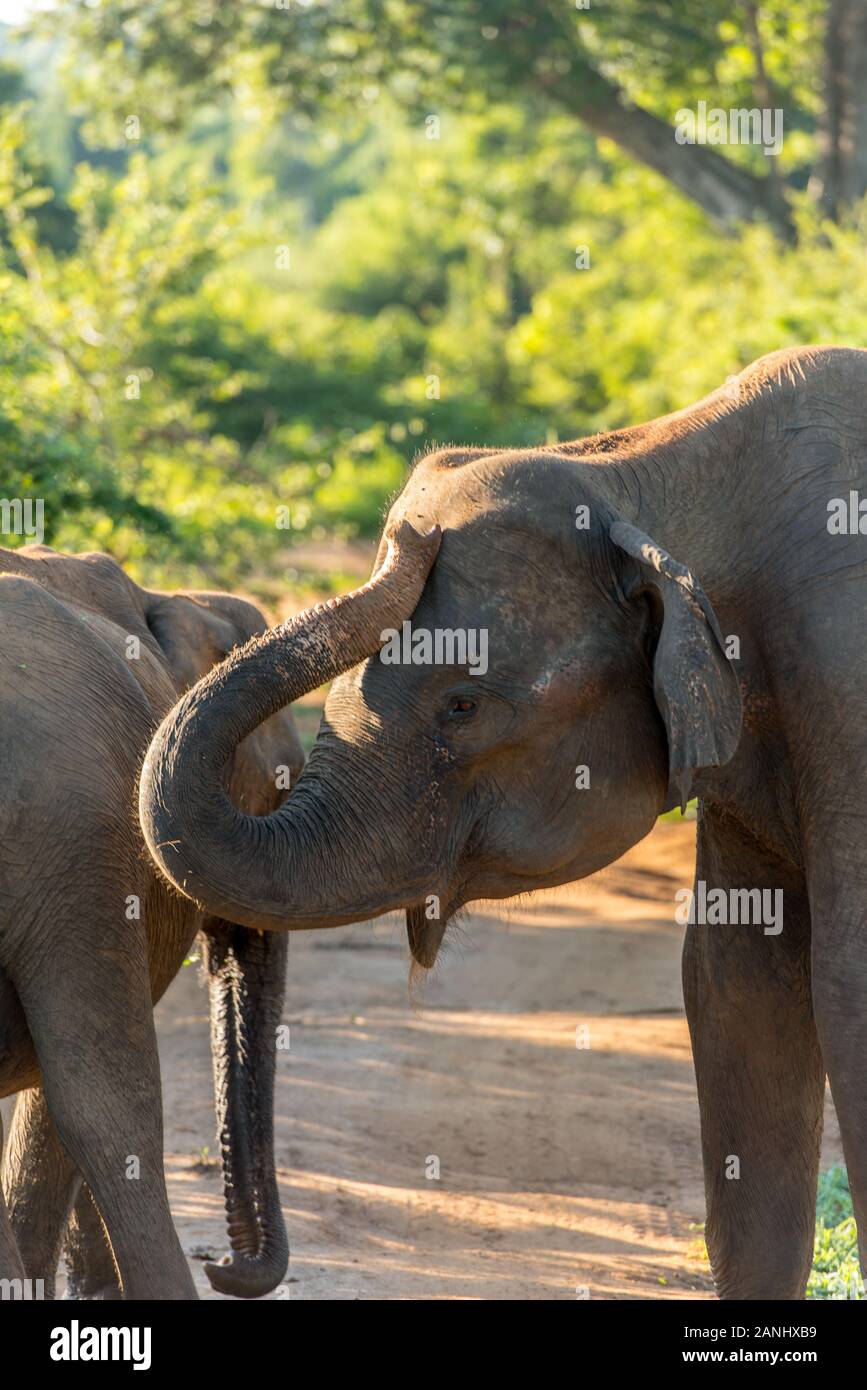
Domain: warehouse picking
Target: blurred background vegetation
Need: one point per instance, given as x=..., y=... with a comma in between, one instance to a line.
x=256, y=257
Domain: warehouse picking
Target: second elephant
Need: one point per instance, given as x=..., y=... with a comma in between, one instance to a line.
x=90, y=937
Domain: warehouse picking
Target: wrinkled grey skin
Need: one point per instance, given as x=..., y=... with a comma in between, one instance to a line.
x=605, y=650
x=78, y=978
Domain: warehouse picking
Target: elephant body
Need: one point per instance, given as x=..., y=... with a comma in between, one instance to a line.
x=672, y=610
x=91, y=936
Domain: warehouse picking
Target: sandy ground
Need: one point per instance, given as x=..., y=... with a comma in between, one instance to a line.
x=559, y=1168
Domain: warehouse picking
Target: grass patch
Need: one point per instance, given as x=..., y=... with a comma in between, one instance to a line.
x=835, y=1272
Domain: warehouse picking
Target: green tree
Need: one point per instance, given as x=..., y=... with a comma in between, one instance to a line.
x=622, y=71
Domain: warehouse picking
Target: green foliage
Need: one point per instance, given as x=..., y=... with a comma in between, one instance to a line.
x=254, y=310
x=313, y=57
x=836, y=1272
x=71, y=372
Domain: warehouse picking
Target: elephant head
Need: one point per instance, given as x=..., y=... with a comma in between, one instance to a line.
x=246, y=970
x=562, y=680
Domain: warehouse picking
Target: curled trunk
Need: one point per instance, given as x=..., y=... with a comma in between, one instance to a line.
x=280, y=871
x=246, y=978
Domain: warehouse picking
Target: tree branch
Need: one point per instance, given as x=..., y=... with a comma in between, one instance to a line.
x=729, y=193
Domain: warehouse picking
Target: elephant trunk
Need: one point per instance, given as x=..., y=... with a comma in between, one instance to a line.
x=246, y=978
x=281, y=871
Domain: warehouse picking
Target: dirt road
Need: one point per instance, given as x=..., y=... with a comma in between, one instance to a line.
x=560, y=1167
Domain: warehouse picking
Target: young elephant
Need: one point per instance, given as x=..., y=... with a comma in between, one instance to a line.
x=90, y=936
x=617, y=683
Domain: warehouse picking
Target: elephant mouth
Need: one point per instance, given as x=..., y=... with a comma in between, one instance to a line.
x=425, y=930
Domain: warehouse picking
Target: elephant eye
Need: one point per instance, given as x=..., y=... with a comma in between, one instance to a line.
x=461, y=706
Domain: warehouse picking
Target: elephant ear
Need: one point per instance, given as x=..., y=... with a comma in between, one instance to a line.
x=198, y=630
x=694, y=683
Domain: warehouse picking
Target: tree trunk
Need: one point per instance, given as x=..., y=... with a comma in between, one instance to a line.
x=843, y=178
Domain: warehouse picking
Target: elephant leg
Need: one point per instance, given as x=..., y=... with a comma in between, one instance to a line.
x=760, y=1073
x=840, y=1002
x=90, y=1015
x=11, y=1263
x=40, y=1184
x=90, y=1267
x=48, y=1201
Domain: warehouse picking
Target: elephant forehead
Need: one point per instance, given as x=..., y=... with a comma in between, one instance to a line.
x=434, y=496
x=453, y=487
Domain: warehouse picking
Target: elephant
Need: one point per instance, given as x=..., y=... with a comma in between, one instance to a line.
x=91, y=936
x=671, y=612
